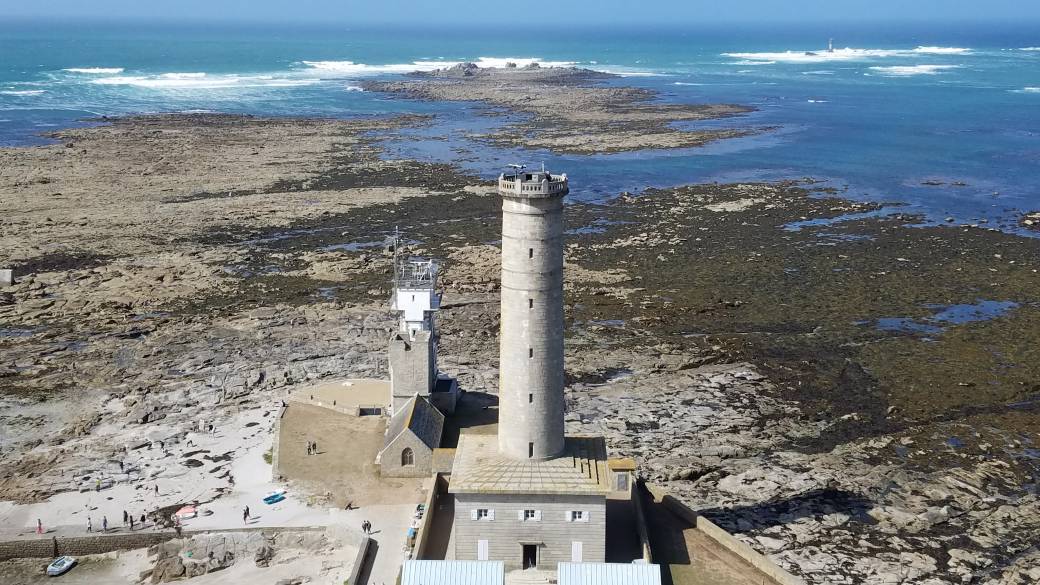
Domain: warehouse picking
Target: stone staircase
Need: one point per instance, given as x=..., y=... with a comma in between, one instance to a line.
x=531, y=577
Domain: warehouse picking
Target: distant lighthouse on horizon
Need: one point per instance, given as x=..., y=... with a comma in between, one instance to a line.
x=830, y=45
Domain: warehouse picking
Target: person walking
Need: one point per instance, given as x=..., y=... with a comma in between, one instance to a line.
x=104, y=523
x=126, y=517
x=142, y=519
x=156, y=489
x=39, y=526
x=90, y=525
x=131, y=523
x=315, y=445
x=308, y=447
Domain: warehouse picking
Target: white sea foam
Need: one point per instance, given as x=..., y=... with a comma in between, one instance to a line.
x=95, y=70
x=350, y=68
x=1027, y=90
x=909, y=70
x=818, y=101
x=353, y=88
x=187, y=81
x=942, y=50
x=1032, y=49
x=22, y=91
x=846, y=54
x=819, y=72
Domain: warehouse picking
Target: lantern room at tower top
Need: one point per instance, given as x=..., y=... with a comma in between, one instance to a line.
x=415, y=295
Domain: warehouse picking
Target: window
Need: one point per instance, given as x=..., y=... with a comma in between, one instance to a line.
x=530, y=352
x=530, y=303
x=407, y=457
x=530, y=252
x=530, y=398
x=529, y=514
x=483, y=513
x=530, y=449
x=577, y=516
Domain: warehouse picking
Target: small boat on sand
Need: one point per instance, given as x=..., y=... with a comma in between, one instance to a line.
x=60, y=566
x=274, y=498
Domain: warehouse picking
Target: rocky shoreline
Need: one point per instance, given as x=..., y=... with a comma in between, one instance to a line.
x=852, y=393
x=568, y=110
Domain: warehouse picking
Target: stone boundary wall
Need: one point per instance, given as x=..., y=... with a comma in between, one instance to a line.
x=43, y=547
x=275, y=474
x=725, y=539
x=438, y=485
x=359, y=561
x=637, y=507
x=742, y=550
x=349, y=410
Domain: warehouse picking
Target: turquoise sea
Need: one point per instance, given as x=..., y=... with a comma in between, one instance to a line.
x=891, y=108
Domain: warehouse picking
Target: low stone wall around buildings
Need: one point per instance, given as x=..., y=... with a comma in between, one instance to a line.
x=44, y=547
x=359, y=560
x=640, y=514
x=275, y=473
x=98, y=543
x=436, y=486
x=725, y=539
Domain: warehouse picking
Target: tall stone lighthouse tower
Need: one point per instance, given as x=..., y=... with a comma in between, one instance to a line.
x=531, y=404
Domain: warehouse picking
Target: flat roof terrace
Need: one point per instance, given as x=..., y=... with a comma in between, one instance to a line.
x=346, y=396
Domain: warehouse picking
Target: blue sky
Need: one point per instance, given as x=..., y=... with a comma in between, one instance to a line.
x=464, y=12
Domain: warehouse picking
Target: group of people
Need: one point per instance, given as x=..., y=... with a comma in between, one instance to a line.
x=312, y=448
x=128, y=520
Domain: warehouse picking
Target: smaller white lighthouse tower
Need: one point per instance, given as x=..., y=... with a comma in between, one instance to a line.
x=413, y=347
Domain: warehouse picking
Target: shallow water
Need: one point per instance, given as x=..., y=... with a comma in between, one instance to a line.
x=902, y=107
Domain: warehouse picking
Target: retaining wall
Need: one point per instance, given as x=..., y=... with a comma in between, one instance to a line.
x=95, y=544
x=359, y=561
x=637, y=507
x=275, y=474
x=437, y=486
x=725, y=539
x=44, y=547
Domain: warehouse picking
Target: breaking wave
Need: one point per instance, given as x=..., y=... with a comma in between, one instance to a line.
x=942, y=50
x=95, y=70
x=202, y=81
x=22, y=91
x=846, y=54
x=1027, y=90
x=350, y=68
x=908, y=70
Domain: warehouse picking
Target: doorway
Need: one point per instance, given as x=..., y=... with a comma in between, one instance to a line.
x=530, y=556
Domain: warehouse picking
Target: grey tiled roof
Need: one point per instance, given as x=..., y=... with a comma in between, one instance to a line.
x=480, y=468
x=420, y=417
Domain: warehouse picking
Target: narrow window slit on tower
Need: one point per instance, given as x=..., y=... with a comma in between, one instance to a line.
x=530, y=252
x=530, y=449
x=530, y=398
x=530, y=352
x=530, y=303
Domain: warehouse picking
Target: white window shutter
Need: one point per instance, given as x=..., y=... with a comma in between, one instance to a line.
x=520, y=515
x=491, y=514
x=473, y=514
x=537, y=515
x=585, y=516
x=568, y=516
